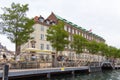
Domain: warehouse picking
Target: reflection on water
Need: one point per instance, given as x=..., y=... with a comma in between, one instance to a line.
x=105, y=75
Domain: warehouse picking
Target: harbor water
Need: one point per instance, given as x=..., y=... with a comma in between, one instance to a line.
x=104, y=75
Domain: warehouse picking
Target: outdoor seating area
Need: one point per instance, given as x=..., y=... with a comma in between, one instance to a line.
x=41, y=64
x=39, y=60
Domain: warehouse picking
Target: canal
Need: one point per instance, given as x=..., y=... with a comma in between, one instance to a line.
x=104, y=75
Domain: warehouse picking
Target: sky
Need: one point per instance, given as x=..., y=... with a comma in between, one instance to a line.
x=102, y=16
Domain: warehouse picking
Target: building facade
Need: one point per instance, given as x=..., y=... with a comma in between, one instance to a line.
x=39, y=42
x=4, y=51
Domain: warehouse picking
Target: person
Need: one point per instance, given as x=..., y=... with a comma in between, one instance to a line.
x=59, y=58
x=4, y=56
x=33, y=57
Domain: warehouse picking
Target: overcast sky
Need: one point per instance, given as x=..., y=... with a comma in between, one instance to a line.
x=102, y=16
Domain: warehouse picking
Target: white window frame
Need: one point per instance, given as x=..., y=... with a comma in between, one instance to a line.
x=41, y=46
x=65, y=28
x=48, y=47
x=41, y=36
x=42, y=28
x=73, y=31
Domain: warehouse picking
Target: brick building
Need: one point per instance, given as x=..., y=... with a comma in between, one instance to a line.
x=41, y=45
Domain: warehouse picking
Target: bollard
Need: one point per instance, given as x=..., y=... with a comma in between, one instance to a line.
x=48, y=75
x=5, y=72
x=73, y=72
x=73, y=75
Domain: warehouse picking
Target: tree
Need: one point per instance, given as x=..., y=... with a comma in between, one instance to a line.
x=79, y=43
x=58, y=37
x=93, y=47
x=17, y=26
x=118, y=56
x=103, y=48
x=112, y=52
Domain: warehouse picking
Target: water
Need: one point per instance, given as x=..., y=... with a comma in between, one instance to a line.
x=105, y=75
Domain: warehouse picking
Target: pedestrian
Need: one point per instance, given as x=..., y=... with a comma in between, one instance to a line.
x=4, y=56
x=33, y=57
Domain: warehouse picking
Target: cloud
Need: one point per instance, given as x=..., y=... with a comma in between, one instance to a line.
x=102, y=16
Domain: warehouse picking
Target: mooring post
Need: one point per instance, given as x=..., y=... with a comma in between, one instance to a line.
x=73, y=75
x=5, y=72
x=73, y=72
x=48, y=75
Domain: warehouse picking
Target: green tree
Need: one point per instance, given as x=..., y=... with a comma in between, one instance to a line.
x=103, y=48
x=93, y=47
x=17, y=26
x=78, y=43
x=58, y=37
x=112, y=52
x=118, y=53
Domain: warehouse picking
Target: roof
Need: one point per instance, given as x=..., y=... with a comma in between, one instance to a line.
x=76, y=26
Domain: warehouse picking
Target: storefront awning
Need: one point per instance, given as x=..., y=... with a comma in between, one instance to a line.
x=35, y=50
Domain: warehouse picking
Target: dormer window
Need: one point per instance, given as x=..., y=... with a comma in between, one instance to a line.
x=41, y=19
x=53, y=23
x=47, y=22
x=33, y=43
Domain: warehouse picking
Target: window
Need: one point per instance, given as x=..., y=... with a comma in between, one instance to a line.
x=48, y=22
x=82, y=34
x=32, y=36
x=69, y=38
x=42, y=46
x=42, y=36
x=41, y=19
x=73, y=31
x=69, y=46
x=33, y=45
x=79, y=33
x=68, y=29
x=65, y=28
x=42, y=28
x=48, y=47
x=53, y=23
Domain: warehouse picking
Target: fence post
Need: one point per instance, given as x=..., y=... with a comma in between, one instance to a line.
x=5, y=72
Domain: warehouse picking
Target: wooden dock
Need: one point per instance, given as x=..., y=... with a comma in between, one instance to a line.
x=20, y=73
x=47, y=71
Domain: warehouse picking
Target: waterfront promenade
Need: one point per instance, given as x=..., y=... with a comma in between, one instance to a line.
x=47, y=72
x=39, y=71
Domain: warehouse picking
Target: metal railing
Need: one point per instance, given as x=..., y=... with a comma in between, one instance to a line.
x=41, y=64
